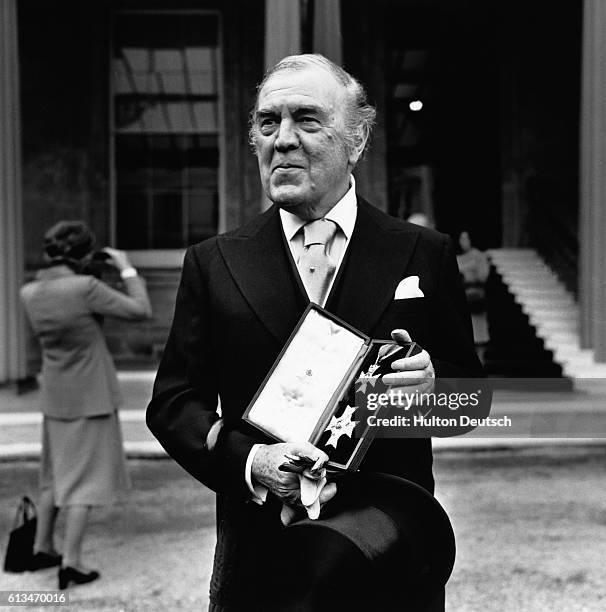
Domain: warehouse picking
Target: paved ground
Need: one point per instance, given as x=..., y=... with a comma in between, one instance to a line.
x=531, y=529
x=154, y=552
x=561, y=417
x=530, y=525
x=529, y=513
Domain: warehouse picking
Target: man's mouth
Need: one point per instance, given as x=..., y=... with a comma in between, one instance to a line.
x=287, y=167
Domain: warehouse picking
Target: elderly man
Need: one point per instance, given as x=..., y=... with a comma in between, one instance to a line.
x=242, y=293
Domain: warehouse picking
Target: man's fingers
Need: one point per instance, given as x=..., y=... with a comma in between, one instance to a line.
x=288, y=514
x=407, y=376
x=406, y=379
x=291, y=497
x=402, y=395
x=416, y=362
x=328, y=492
x=400, y=336
x=315, y=474
x=306, y=449
x=284, y=483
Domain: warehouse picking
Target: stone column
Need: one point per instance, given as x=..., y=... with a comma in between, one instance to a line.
x=282, y=30
x=368, y=62
x=12, y=336
x=282, y=38
x=327, y=30
x=592, y=226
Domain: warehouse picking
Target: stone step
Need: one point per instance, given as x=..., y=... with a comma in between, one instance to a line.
x=564, y=338
x=570, y=352
x=520, y=287
x=515, y=264
x=527, y=283
x=513, y=253
x=548, y=318
x=554, y=321
x=547, y=313
x=540, y=302
x=550, y=308
x=554, y=303
x=547, y=328
x=597, y=371
x=524, y=267
x=553, y=325
x=527, y=265
x=528, y=271
x=543, y=293
x=577, y=360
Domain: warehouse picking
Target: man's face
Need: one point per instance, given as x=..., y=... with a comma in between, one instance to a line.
x=464, y=242
x=303, y=158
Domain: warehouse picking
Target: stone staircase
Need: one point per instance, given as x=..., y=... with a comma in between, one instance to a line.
x=550, y=308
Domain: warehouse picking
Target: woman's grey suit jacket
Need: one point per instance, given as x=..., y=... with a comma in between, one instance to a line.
x=78, y=374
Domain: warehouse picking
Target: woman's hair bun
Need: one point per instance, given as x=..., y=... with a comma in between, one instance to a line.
x=69, y=239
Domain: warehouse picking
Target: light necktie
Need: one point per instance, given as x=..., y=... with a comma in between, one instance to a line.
x=315, y=266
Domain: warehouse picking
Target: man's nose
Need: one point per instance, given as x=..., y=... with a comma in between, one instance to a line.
x=287, y=137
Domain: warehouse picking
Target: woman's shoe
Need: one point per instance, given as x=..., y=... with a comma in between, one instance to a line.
x=71, y=574
x=43, y=560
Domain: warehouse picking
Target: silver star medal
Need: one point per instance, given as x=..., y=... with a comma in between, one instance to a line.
x=341, y=426
x=366, y=378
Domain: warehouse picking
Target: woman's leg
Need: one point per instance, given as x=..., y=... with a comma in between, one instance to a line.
x=47, y=515
x=75, y=523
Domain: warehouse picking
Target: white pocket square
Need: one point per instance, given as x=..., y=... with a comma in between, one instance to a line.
x=408, y=288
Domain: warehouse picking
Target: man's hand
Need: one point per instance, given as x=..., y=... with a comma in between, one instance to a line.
x=410, y=374
x=285, y=485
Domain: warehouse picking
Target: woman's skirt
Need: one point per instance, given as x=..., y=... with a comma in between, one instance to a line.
x=83, y=460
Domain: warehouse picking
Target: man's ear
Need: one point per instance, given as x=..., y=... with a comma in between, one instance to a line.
x=359, y=144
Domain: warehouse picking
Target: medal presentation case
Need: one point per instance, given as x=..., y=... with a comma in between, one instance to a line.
x=310, y=393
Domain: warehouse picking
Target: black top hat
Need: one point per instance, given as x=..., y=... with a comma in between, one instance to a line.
x=383, y=543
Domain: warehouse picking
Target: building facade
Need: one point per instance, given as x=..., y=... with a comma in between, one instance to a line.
x=133, y=116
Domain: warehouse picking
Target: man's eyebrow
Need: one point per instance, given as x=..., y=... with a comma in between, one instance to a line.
x=299, y=110
x=261, y=112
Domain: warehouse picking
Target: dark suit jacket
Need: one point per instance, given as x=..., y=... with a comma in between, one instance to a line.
x=237, y=303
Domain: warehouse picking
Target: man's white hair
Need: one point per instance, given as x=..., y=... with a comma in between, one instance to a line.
x=359, y=114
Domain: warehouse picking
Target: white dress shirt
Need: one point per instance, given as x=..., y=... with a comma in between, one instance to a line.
x=343, y=214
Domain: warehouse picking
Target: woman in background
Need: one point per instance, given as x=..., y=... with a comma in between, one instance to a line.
x=82, y=463
x=474, y=267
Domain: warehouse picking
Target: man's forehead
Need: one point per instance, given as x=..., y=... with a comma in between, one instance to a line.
x=275, y=101
x=307, y=87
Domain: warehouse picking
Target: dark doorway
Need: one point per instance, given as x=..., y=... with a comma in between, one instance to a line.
x=442, y=123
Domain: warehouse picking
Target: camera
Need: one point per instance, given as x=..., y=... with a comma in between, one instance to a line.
x=100, y=257
x=97, y=264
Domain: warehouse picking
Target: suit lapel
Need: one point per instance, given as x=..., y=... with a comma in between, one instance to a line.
x=376, y=261
x=257, y=259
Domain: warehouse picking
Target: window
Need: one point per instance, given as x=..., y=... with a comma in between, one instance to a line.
x=166, y=118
